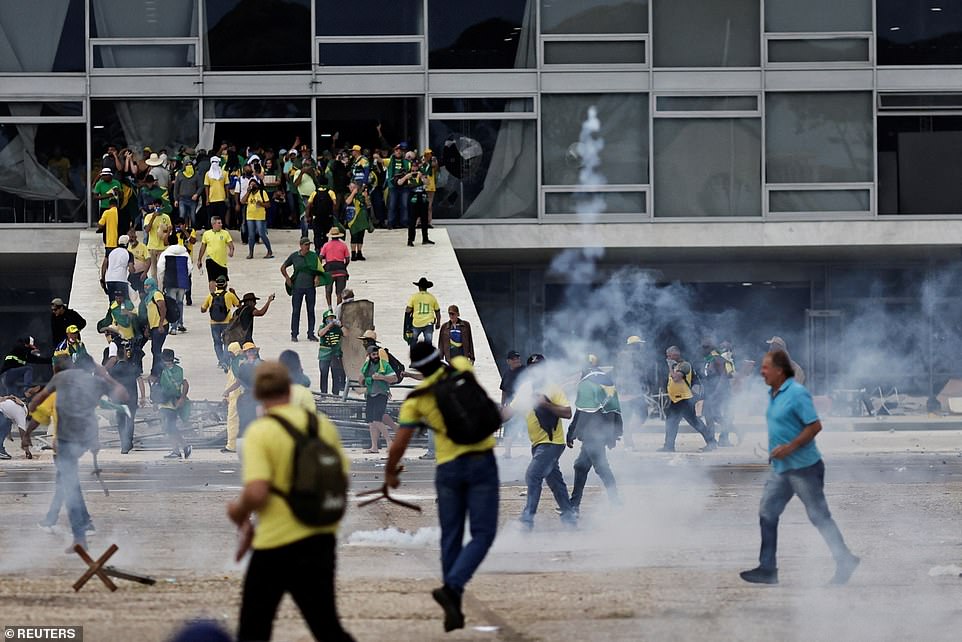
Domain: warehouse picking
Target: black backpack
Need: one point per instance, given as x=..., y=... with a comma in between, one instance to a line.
x=469, y=413
x=173, y=310
x=318, y=495
x=218, y=306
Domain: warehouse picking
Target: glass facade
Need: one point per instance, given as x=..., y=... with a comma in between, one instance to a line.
x=707, y=108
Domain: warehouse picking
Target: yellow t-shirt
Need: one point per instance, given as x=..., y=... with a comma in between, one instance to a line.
x=330, y=192
x=109, y=220
x=302, y=397
x=159, y=224
x=139, y=252
x=153, y=312
x=679, y=390
x=126, y=331
x=256, y=210
x=268, y=455
x=424, y=305
x=217, y=243
x=230, y=300
x=416, y=411
x=46, y=414
x=218, y=189
x=536, y=433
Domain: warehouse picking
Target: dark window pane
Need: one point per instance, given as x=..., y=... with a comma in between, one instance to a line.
x=488, y=168
x=719, y=33
x=123, y=19
x=282, y=41
x=920, y=101
x=269, y=108
x=369, y=18
x=706, y=103
x=594, y=53
x=819, y=50
x=42, y=36
x=594, y=16
x=707, y=167
x=155, y=123
x=911, y=33
x=143, y=56
x=496, y=34
x=850, y=200
x=918, y=164
x=624, y=130
x=46, y=181
x=482, y=105
x=818, y=15
x=594, y=202
x=361, y=54
x=44, y=110
x=355, y=120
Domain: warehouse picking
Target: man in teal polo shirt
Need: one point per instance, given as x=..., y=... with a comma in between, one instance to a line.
x=797, y=469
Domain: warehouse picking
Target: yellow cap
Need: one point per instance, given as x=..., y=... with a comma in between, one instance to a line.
x=72, y=328
x=234, y=347
x=428, y=151
x=634, y=339
x=249, y=346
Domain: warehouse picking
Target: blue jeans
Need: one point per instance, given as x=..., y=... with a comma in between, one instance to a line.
x=255, y=229
x=68, y=482
x=593, y=454
x=544, y=468
x=188, y=211
x=15, y=381
x=467, y=487
x=397, y=207
x=298, y=296
x=808, y=483
x=425, y=334
x=684, y=409
x=215, y=334
x=157, y=337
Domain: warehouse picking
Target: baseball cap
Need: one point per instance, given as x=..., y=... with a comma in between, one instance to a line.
x=72, y=328
x=305, y=241
x=123, y=239
x=514, y=354
x=249, y=346
x=220, y=280
x=58, y=302
x=634, y=339
x=776, y=339
x=356, y=148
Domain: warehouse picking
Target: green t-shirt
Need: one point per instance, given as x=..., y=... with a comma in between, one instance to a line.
x=104, y=187
x=378, y=387
x=305, y=269
x=330, y=344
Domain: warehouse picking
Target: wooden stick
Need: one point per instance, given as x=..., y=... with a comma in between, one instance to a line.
x=95, y=567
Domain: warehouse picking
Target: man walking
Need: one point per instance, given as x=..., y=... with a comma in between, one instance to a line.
x=597, y=425
x=336, y=256
x=797, y=469
x=466, y=479
x=174, y=273
x=116, y=269
x=681, y=402
x=424, y=311
x=289, y=556
x=509, y=382
x=61, y=318
x=302, y=285
x=716, y=376
x=220, y=303
x=455, y=337
x=777, y=343
x=218, y=245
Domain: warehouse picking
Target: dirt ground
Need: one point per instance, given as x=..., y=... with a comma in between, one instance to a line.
x=661, y=567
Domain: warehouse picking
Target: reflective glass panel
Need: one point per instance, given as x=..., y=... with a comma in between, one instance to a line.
x=707, y=167
x=135, y=124
x=818, y=137
x=594, y=16
x=362, y=54
x=71, y=108
x=818, y=15
x=282, y=41
x=488, y=168
x=371, y=18
x=706, y=103
x=495, y=34
x=245, y=108
x=478, y=105
x=814, y=200
x=918, y=164
x=42, y=36
x=695, y=33
x=143, y=18
x=594, y=53
x=624, y=130
x=912, y=32
x=819, y=50
x=594, y=202
x=143, y=56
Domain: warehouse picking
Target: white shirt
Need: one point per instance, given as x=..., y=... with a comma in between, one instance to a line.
x=14, y=411
x=117, y=262
x=162, y=176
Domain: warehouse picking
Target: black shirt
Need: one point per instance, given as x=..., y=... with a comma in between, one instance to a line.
x=509, y=382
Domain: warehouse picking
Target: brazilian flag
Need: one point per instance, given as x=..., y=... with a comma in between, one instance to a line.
x=596, y=392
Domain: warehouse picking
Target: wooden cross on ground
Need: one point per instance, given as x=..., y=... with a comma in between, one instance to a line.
x=106, y=572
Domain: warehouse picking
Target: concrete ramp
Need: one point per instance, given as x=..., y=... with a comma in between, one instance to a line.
x=385, y=278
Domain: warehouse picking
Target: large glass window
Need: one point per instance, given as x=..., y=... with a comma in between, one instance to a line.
x=488, y=168
x=495, y=34
x=707, y=167
x=919, y=164
x=815, y=16
x=372, y=18
x=919, y=32
x=373, y=122
x=818, y=137
x=695, y=33
x=42, y=36
x=256, y=35
x=594, y=16
x=152, y=19
x=43, y=170
x=135, y=124
x=624, y=130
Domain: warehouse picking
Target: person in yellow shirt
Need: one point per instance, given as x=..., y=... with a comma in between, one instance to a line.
x=221, y=303
x=289, y=556
x=108, y=225
x=231, y=394
x=682, y=403
x=156, y=311
x=256, y=199
x=430, y=169
x=157, y=227
x=424, y=312
x=141, y=262
x=218, y=245
x=215, y=193
x=466, y=479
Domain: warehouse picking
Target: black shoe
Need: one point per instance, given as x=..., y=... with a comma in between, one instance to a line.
x=451, y=603
x=760, y=575
x=294, y=338
x=4, y=454
x=666, y=449
x=430, y=227
x=311, y=337
x=427, y=242
x=125, y=451
x=844, y=570
x=188, y=300
x=410, y=244
x=361, y=257
x=353, y=256
x=187, y=451
x=173, y=454
x=225, y=449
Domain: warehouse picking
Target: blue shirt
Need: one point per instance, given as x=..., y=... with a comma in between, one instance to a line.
x=789, y=411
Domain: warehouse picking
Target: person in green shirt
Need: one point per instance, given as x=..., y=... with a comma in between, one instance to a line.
x=105, y=188
x=357, y=204
x=302, y=286
x=330, y=352
x=377, y=375
x=174, y=404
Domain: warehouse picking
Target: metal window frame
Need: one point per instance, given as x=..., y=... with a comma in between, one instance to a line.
x=868, y=36
x=93, y=43
x=605, y=217
x=421, y=41
x=706, y=113
x=590, y=38
x=41, y=120
x=863, y=186
x=535, y=112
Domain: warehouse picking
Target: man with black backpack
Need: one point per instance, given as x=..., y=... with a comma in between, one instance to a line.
x=463, y=419
x=219, y=304
x=295, y=479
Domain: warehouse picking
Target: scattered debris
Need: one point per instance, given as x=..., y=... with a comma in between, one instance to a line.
x=487, y=629
x=951, y=570
x=226, y=472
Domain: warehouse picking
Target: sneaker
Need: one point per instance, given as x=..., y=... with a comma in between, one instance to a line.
x=710, y=446
x=427, y=456
x=225, y=449
x=269, y=256
x=187, y=451
x=173, y=454
x=666, y=449
x=361, y=257
x=182, y=329
x=188, y=301
x=844, y=570
x=294, y=338
x=410, y=243
x=89, y=527
x=353, y=256
x=427, y=242
x=4, y=454
x=311, y=337
x=450, y=601
x=70, y=551
x=172, y=331
x=250, y=256
x=724, y=442
x=47, y=527
x=760, y=575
